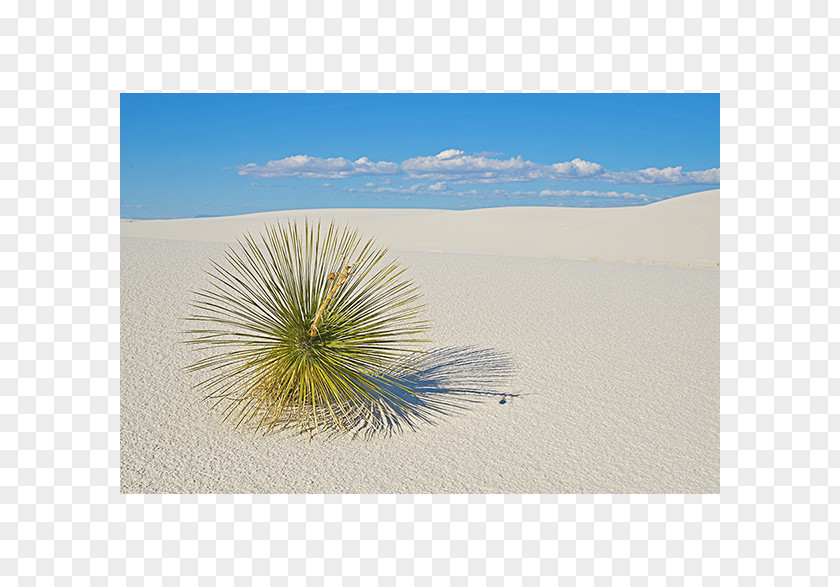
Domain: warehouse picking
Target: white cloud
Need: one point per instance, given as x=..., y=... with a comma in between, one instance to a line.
x=448, y=154
x=555, y=196
x=319, y=168
x=575, y=169
x=418, y=189
x=454, y=166
x=666, y=175
x=592, y=193
x=459, y=167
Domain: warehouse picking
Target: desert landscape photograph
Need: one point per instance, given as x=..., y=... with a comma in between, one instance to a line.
x=420, y=293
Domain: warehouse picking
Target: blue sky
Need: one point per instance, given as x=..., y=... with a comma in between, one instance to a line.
x=185, y=155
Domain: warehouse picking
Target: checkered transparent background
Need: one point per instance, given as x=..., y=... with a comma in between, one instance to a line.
x=62, y=68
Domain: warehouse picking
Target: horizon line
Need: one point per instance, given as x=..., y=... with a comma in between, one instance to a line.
x=623, y=205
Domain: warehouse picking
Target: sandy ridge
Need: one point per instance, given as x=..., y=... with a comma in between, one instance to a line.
x=680, y=232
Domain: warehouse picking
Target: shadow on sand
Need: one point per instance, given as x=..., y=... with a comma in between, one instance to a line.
x=445, y=381
x=441, y=383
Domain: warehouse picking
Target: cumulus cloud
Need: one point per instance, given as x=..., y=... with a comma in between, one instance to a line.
x=592, y=194
x=575, y=169
x=454, y=166
x=459, y=167
x=418, y=189
x=319, y=168
x=551, y=197
x=666, y=176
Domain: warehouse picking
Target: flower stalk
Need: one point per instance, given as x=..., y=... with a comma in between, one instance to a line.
x=313, y=330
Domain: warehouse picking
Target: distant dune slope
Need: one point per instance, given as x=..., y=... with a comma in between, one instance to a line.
x=683, y=231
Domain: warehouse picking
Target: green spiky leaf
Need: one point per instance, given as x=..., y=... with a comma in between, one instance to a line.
x=258, y=318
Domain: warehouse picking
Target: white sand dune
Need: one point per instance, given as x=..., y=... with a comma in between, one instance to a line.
x=683, y=231
x=584, y=377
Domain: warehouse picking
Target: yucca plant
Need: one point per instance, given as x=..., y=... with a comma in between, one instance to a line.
x=308, y=327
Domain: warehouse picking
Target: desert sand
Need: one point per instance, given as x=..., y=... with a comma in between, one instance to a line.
x=574, y=351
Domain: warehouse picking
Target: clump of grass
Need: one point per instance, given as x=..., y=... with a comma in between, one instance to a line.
x=307, y=327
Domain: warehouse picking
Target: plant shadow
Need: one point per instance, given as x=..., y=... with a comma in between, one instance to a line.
x=442, y=383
